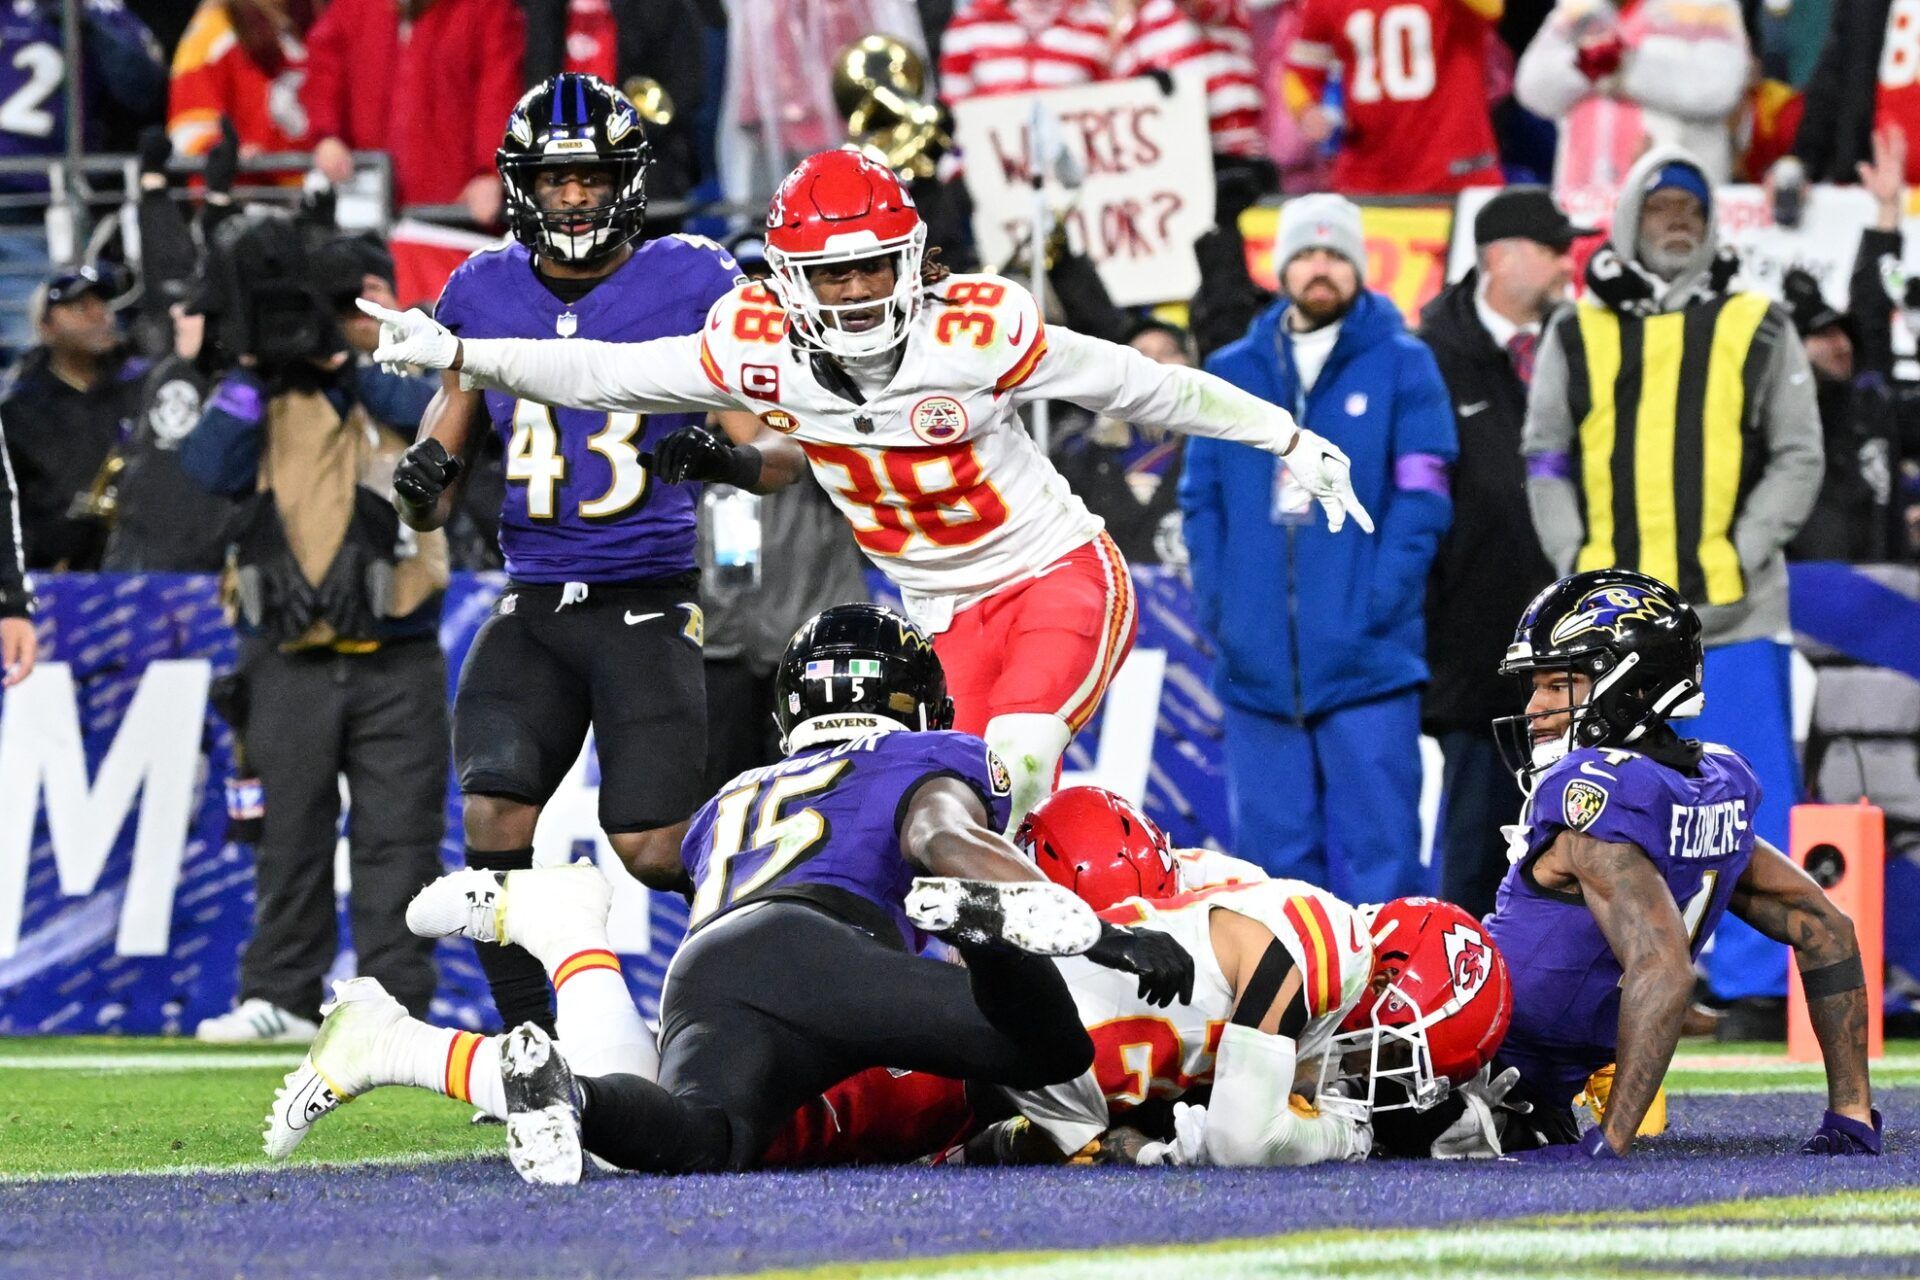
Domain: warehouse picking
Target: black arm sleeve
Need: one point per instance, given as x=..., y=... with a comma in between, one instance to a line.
x=16, y=600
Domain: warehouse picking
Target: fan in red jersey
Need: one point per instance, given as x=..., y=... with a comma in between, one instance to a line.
x=1415, y=119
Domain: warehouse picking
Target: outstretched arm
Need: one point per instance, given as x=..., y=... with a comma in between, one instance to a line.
x=1636, y=912
x=661, y=376
x=1782, y=901
x=1124, y=384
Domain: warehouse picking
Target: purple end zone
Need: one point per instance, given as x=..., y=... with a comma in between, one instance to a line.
x=475, y=1218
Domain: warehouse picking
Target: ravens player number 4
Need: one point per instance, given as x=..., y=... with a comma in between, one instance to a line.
x=599, y=553
x=1633, y=844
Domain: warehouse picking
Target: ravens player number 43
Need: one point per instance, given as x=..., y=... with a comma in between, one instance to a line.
x=599, y=553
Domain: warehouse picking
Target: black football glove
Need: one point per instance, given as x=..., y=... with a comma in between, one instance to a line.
x=695, y=453
x=1165, y=968
x=424, y=473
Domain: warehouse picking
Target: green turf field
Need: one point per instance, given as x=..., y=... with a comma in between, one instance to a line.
x=176, y=1105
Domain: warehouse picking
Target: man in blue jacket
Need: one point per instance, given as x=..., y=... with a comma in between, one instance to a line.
x=1321, y=639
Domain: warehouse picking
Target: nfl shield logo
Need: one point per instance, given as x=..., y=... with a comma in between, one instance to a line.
x=1582, y=802
x=566, y=324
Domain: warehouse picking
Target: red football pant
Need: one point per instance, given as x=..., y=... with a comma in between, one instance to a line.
x=875, y=1117
x=1047, y=645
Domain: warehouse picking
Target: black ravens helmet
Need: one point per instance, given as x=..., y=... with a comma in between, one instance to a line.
x=572, y=120
x=1632, y=635
x=851, y=667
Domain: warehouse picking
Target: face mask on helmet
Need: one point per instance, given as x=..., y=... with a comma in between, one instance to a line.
x=574, y=122
x=825, y=325
x=834, y=209
x=1635, y=642
x=1435, y=1010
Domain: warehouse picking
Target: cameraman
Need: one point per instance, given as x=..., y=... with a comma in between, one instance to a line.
x=338, y=609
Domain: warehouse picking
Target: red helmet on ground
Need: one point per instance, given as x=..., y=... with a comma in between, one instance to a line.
x=1100, y=846
x=1436, y=1009
x=838, y=207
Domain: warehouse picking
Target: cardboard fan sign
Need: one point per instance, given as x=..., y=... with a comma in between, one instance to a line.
x=1143, y=164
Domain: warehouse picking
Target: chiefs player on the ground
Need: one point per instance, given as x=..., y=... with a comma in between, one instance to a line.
x=898, y=383
x=1287, y=976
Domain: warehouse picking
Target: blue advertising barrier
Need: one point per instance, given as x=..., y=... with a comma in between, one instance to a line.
x=123, y=908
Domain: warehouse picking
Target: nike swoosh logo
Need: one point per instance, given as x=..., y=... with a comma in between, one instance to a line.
x=1586, y=766
x=1019, y=329
x=1468, y=410
x=642, y=617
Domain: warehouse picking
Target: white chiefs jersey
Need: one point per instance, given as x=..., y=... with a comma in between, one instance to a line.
x=945, y=491
x=1143, y=1052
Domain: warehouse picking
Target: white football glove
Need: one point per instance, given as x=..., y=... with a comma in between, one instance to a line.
x=1323, y=471
x=411, y=338
x=1476, y=1134
x=1189, y=1136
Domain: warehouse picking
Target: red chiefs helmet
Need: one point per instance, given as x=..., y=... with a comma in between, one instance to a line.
x=836, y=207
x=1100, y=846
x=1435, y=1010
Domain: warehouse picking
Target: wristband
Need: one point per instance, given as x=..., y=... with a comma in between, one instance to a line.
x=1834, y=979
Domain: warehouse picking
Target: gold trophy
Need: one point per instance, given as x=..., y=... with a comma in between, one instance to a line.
x=879, y=86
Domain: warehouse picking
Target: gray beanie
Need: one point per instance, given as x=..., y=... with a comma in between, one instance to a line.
x=1320, y=220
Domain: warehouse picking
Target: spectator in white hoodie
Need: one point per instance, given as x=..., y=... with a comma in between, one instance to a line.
x=1622, y=77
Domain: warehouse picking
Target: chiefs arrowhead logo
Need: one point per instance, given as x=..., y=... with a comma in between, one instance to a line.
x=1468, y=961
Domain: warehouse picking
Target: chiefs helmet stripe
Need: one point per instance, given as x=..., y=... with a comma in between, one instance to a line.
x=1024, y=367
x=711, y=367
x=577, y=964
x=1322, y=978
x=1116, y=635
x=459, y=1080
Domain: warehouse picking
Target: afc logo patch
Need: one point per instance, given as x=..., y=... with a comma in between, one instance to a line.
x=939, y=420
x=1469, y=962
x=761, y=381
x=997, y=776
x=780, y=421
x=1582, y=802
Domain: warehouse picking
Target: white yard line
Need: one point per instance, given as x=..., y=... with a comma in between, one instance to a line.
x=286, y=1058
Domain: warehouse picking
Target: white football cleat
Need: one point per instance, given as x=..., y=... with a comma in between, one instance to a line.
x=256, y=1021
x=555, y=912
x=1035, y=916
x=543, y=1118
x=339, y=1065
x=461, y=902
x=551, y=911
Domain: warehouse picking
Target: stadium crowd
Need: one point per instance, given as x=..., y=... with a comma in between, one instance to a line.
x=168, y=413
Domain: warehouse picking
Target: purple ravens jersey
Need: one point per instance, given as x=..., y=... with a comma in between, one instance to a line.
x=830, y=817
x=579, y=507
x=1698, y=832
